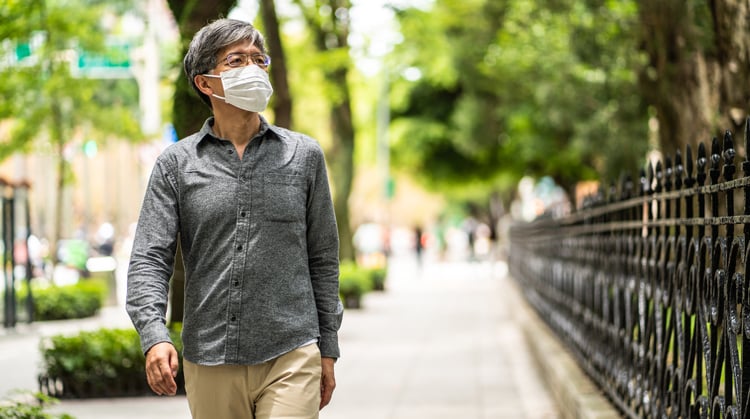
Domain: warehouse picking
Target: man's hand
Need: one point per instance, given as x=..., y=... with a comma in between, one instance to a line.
x=161, y=368
x=327, y=381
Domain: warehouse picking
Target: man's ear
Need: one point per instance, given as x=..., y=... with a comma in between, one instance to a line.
x=202, y=83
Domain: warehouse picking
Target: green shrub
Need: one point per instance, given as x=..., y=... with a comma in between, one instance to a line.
x=354, y=282
x=377, y=278
x=32, y=407
x=83, y=299
x=101, y=363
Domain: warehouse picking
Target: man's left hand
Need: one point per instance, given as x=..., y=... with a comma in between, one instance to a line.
x=327, y=381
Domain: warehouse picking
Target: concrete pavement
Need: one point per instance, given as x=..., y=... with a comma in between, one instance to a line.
x=443, y=341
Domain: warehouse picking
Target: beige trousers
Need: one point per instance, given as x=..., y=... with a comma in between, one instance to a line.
x=285, y=387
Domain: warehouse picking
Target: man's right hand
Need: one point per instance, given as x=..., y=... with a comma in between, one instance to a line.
x=161, y=368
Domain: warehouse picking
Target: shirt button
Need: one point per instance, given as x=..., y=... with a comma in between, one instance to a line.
x=233, y=318
x=239, y=247
x=243, y=213
x=230, y=151
x=236, y=283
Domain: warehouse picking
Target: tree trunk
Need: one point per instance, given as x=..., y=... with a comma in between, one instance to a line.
x=57, y=135
x=342, y=165
x=330, y=33
x=282, y=99
x=732, y=43
x=189, y=112
x=697, y=78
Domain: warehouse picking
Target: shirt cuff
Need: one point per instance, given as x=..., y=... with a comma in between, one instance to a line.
x=329, y=347
x=153, y=334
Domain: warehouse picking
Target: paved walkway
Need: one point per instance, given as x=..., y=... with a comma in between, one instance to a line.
x=440, y=342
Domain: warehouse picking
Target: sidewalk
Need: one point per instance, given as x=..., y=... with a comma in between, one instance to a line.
x=441, y=343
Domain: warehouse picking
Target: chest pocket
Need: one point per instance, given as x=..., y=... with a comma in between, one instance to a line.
x=284, y=197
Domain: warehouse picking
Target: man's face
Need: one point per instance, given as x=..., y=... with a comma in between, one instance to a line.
x=237, y=55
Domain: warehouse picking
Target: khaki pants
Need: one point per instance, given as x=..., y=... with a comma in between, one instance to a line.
x=285, y=387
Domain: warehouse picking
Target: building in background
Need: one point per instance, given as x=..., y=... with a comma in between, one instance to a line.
x=108, y=175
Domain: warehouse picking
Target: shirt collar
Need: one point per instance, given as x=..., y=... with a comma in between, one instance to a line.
x=265, y=127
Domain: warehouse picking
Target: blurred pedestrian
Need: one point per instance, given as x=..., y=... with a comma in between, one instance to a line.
x=418, y=246
x=252, y=206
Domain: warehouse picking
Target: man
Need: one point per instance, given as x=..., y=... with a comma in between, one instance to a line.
x=251, y=205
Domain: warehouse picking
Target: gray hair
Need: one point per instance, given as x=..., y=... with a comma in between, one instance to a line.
x=204, y=48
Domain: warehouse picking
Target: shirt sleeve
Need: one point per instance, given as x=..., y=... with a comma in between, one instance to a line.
x=152, y=258
x=323, y=255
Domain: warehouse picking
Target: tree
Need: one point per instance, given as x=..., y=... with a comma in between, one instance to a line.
x=51, y=103
x=697, y=75
x=328, y=21
x=188, y=111
x=282, y=98
x=529, y=88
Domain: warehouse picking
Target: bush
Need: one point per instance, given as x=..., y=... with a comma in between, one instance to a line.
x=377, y=278
x=80, y=300
x=101, y=363
x=354, y=282
x=31, y=407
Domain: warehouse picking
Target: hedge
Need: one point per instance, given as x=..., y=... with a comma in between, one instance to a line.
x=101, y=363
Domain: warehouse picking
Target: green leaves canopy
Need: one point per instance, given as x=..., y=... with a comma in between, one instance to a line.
x=42, y=93
x=513, y=88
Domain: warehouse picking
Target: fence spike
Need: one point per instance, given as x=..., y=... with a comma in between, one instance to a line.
x=701, y=164
x=668, y=174
x=690, y=180
x=679, y=170
x=729, y=154
x=650, y=177
x=627, y=187
x=659, y=176
x=714, y=171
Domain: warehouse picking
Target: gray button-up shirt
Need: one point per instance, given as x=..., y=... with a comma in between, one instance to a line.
x=259, y=243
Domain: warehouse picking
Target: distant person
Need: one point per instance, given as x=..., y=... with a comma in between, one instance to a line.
x=418, y=247
x=252, y=207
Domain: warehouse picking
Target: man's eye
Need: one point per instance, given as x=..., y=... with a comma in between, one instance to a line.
x=235, y=60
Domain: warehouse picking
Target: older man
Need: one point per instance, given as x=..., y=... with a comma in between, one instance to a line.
x=251, y=205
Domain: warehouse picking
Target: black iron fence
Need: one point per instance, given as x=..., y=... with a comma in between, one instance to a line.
x=647, y=285
x=15, y=230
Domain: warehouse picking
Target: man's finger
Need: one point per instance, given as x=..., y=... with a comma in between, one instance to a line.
x=167, y=380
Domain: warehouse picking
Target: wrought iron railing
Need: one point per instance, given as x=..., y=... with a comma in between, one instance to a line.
x=647, y=285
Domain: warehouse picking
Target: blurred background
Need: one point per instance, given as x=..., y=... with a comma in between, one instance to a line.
x=443, y=122
x=436, y=115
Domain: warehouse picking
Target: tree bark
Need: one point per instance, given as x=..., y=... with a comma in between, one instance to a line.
x=330, y=34
x=282, y=99
x=732, y=44
x=697, y=78
x=342, y=164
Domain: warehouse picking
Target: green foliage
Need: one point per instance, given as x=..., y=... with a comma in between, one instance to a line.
x=354, y=282
x=377, y=278
x=47, y=95
x=106, y=352
x=33, y=408
x=528, y=88
x=83, y=299
x=97, y=361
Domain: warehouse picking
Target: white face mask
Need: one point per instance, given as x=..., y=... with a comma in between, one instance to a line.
x=246, y=87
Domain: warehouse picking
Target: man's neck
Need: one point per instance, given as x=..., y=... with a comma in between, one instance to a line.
x=237, y=127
